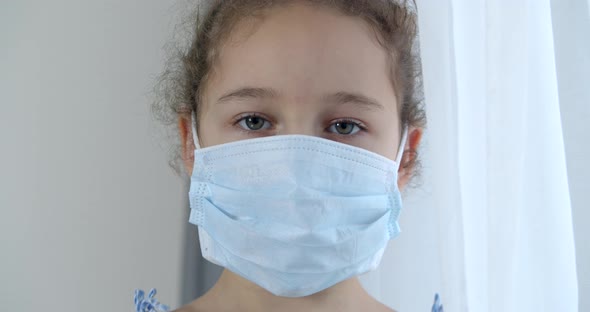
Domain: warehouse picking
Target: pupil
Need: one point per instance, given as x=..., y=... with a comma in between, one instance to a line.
x=255, y=123
x=344, y=128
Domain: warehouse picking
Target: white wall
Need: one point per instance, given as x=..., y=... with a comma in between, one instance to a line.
x=89, y=209
x=571, y=27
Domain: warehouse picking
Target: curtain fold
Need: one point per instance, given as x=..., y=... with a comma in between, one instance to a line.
x=495, y=179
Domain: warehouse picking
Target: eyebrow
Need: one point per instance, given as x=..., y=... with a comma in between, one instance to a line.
x=364, y=101
x=339, y=98
x=249, y=93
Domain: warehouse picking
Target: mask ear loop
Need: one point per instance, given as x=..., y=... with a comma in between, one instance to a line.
x=194, y=129
x=402, y=145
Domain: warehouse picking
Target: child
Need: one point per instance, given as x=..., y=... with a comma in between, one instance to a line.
x=308, y=116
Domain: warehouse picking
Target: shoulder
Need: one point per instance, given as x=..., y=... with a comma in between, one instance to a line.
x=188, y=308
x=202, y=304
x=384, y=308
x=192, y=307
x=150, y=303
x=375, y=305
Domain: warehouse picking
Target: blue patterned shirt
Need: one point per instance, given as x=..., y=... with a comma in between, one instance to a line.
x=151, y=304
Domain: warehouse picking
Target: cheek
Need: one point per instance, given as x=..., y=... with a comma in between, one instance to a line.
x=386, y=140
x=216, y=127
x=208, y=133
x=384, y=148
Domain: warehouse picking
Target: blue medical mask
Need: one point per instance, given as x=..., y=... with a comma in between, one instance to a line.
x=294, y=214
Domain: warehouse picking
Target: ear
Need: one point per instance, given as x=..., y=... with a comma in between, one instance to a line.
x=406, y=168
x=185, y=123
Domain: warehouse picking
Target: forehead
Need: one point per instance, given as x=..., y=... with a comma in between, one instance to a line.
x=304, y=52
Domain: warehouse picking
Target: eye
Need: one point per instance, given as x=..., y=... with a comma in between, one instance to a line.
x=345, y=127
x=253, y=123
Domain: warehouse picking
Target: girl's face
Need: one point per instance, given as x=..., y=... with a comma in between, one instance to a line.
x=301, y=70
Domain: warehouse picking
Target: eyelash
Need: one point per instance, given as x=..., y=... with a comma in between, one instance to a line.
x=360, y=125
x=242, y=117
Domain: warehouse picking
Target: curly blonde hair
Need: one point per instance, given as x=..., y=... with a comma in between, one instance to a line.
x=181, y=86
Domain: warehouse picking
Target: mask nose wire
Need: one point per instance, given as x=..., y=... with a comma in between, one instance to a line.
x=194, y=129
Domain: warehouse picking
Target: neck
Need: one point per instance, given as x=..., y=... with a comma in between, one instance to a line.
x=234, y=293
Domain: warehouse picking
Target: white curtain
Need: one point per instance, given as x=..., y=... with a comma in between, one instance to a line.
x=490, y=229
